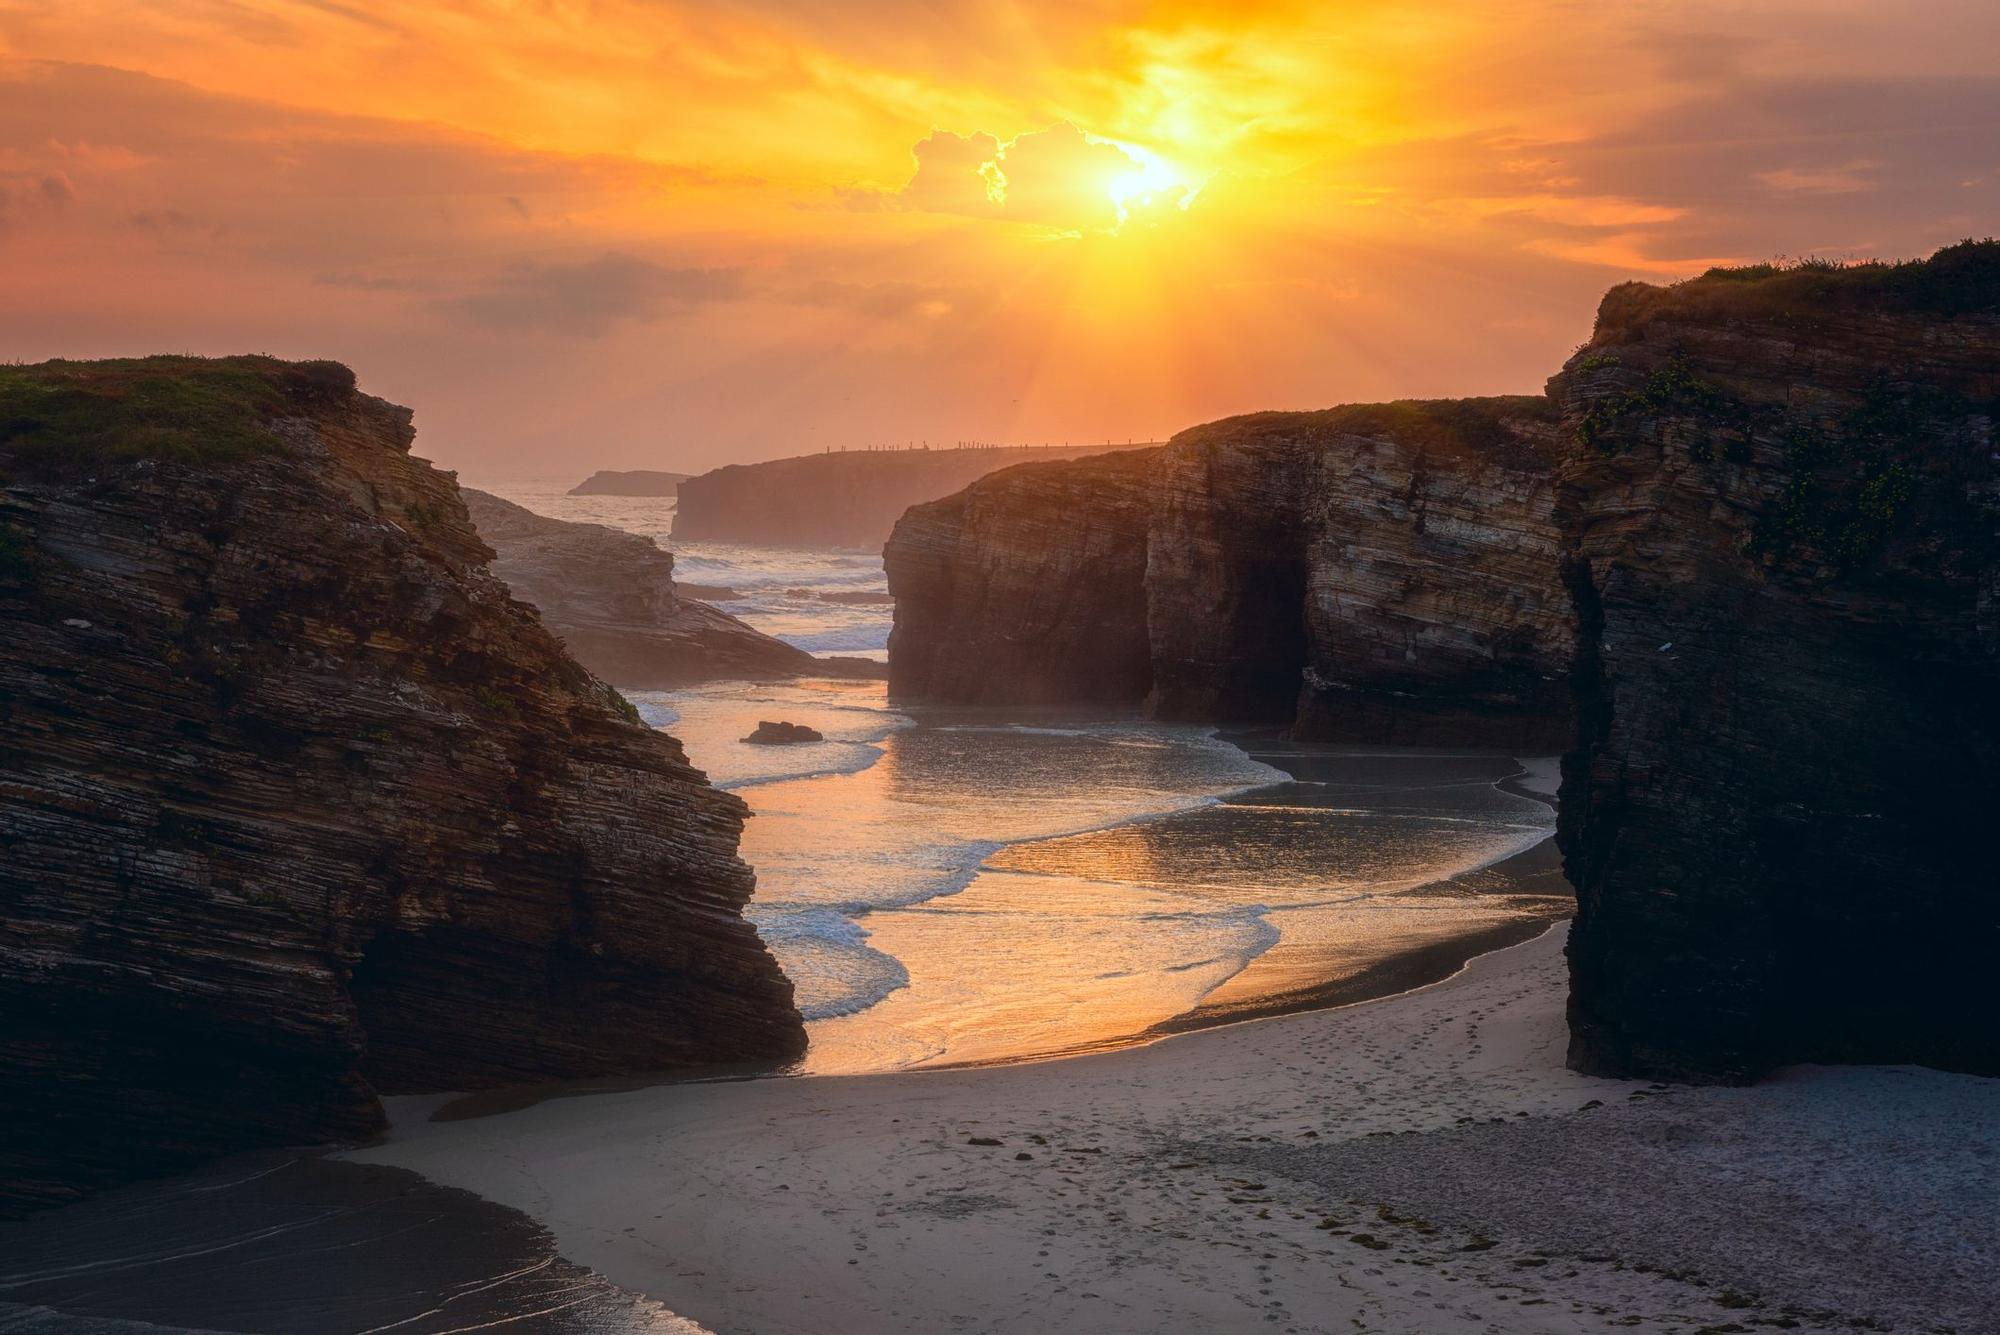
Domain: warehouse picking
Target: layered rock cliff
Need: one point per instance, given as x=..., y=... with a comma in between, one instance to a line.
x=1378, y=572
x=849, y=498
x=610, y=596
x=297, y=805
x=1026, y=588
x=1781, y=523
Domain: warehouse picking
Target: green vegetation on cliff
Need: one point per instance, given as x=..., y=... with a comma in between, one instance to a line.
x=188, y=409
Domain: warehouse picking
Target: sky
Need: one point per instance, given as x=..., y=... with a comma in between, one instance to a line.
x=576, y=234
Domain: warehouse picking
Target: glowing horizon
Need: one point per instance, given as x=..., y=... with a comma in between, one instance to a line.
x=632, y=234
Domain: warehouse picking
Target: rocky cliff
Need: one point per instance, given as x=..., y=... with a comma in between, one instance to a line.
x=297, y=805
x=849, y=498
x=1379, y=572
x=610, y=596
x=1781, y=523
x=1026, y=588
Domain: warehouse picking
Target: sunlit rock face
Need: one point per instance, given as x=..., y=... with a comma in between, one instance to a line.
x=610, y=596
x=1782, y=529
x=1375, y=573
x=1027, y=588
x=1379, y=572
x=298, y=805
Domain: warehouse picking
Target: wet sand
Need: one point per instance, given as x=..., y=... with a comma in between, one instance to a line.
x=306, y=1245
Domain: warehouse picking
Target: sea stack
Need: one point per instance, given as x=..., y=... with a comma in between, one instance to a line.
x=1781, y=523
x=1378, y=573
x=299, y=806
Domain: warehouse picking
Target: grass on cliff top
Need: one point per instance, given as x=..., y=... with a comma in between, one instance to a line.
x=186, y=409
x=1962, y=279
x=1480, y=427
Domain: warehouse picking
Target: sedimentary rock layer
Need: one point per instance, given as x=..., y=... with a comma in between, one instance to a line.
x=1379, y=572
x=610, y=596
x=1028, y=587
x=298, y=805
x=1781, y=522
x=850, y=498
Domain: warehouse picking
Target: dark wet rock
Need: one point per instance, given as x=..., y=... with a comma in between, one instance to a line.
x=1781, y=523
x=846, y=498
x=769, y=733
x=297, y=804
x=610, y=595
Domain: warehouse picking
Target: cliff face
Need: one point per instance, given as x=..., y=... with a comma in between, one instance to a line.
x=1026, y=588
x=610, y=596
x=296, y=804
x=1781, y=524
x=1380, y=573
x=846, y=499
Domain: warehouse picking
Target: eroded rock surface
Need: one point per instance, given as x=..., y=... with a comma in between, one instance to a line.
x=298, y=805
x=1378, y=572
x=610, y=596
x=1782, y=526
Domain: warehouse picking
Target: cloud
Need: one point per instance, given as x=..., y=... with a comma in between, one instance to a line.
x=57, y=190
x=1058, y=177
x=587, y=298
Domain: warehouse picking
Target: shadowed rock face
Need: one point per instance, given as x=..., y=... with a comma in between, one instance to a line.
x=1026, y=588
x=610, y=595
x=1379, y=572
x=297, y=804
x=1781, y=524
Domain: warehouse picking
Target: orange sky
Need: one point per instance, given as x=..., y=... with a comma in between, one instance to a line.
x=583, y=233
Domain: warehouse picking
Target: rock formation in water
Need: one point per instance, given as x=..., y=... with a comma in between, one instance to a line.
x=1781, y=521
x=634, y=482
x=298, y=805
x=1379, y=572
x=610, y=596
x=850, y=498
x=1028, y=587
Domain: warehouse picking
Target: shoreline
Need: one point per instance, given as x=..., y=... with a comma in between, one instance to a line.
x=1423, y=1162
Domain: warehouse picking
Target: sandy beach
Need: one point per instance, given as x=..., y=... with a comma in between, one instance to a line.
x=1420, y=1163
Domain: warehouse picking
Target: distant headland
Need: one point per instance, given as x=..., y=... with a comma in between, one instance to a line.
x=842, y=498
x=634, y=482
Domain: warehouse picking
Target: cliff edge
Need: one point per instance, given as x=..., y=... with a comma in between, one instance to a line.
x=1781, y=524
x=297, y=805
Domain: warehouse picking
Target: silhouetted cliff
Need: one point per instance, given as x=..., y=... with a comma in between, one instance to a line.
x=610, y=596
x=632, y=482
x=1781, y=521
x=849, y=498
x=297, y=804
x=1379, y=572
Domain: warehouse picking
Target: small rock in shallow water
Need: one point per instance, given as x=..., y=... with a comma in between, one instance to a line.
x=769, y=733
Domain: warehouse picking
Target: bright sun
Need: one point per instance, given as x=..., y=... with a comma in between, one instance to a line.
x=1152, y=182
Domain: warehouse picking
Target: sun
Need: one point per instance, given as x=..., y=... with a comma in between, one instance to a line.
x=1152, y=182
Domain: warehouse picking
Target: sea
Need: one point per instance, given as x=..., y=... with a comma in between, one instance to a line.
x=949, y=886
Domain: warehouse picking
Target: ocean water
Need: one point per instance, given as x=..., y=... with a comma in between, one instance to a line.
x=949, y=885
